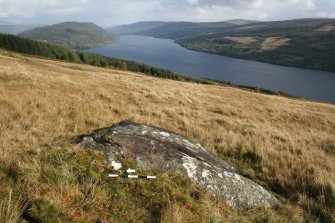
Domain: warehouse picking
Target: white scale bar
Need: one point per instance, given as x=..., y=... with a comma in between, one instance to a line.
x=132, y=176
x=113, y=175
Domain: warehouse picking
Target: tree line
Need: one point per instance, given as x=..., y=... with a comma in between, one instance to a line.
x=58, y=52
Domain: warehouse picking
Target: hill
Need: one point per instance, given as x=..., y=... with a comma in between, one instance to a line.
x=240, y=21
x=72, y=34
x=286, y=145
x=135, y=27
x=305, y=43
x=185, y=29
x=170, y=29
x=276, y=27
x=299, y=43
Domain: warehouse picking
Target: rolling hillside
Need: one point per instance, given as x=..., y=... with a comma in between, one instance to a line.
x=72, y=34
x=286, y=145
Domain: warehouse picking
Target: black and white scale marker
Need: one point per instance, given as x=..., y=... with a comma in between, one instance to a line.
x=132, y=176
x=118, y=166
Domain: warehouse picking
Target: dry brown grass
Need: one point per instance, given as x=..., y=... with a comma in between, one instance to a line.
x=45, y=103
x=11, y=209
x=272, y=43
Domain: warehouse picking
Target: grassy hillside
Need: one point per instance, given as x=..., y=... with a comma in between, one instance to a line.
x=306, y=43
x=286, y=145
x=72, y=34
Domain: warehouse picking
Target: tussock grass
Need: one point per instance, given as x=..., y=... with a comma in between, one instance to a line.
x=11, y=209
x=284, y=144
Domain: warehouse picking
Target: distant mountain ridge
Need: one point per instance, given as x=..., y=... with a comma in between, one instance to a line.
x=184, y=29
x=72, y=34
x=11, y=28
x=240, y=21
x=174, y=28
x=4, y=23
x=136, y=27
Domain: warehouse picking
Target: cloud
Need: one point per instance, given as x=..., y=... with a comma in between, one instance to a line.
x=111, y=12
x=215, y=10
x=326, y=14
x=32, y=7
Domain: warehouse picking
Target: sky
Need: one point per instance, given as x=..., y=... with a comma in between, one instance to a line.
x=108, y=13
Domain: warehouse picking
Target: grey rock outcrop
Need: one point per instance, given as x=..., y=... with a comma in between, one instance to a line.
x=153, y=148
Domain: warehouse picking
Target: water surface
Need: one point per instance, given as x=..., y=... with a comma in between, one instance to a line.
x=164, y=53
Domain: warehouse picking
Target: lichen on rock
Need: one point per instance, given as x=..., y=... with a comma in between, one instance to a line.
x=161, y=150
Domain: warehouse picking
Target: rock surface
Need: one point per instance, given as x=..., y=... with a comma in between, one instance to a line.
x=158, y=149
